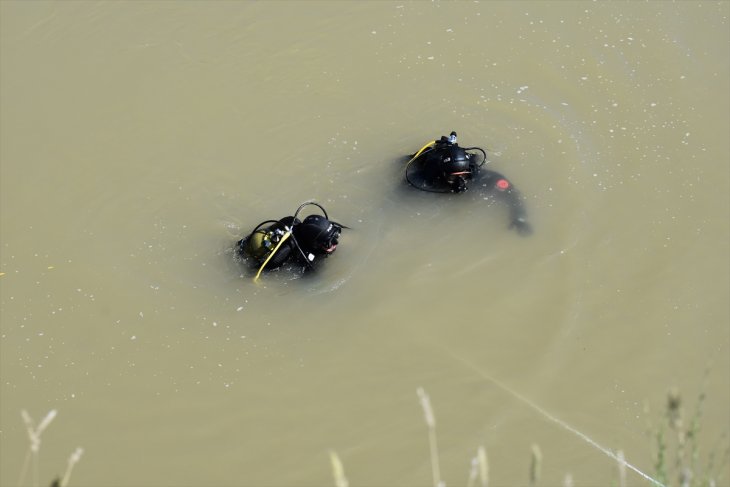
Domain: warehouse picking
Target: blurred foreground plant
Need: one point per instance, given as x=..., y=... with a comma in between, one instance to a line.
x=34, y=436
x=677, y=459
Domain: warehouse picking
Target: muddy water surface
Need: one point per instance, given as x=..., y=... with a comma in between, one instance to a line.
x=139, y=140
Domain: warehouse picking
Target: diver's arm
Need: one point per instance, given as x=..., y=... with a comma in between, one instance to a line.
x=502, y=189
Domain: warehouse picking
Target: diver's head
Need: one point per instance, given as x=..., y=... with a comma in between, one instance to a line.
x=442, y=166
x=456, y=167
x=317, y=234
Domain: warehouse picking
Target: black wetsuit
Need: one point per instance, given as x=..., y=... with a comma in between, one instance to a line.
x=445, y=167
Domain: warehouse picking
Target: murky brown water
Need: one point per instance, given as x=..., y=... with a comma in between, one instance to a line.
x=140, y=139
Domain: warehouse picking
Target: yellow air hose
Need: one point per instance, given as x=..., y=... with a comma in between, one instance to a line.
x=283, y=239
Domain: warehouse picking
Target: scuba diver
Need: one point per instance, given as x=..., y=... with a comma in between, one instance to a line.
x=442, y=166
x=303, y=242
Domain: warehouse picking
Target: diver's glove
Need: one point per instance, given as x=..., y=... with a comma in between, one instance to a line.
x=521, y=226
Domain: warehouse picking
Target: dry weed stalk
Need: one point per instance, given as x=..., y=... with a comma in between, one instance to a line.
x=338, y=471
x=568, y=480
x=535, y=464
x=34, y=435
x=479, y=469
x=621, y=468
x=431, y=423
x=73, y=460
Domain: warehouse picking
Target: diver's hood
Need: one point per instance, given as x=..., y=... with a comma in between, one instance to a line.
x=317, y=235
x=455, y=161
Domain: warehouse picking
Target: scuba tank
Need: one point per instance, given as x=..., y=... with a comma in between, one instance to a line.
x=261, y=242
x=444, y=166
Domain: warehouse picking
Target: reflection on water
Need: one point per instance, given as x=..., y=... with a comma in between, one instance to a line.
x=140, y=141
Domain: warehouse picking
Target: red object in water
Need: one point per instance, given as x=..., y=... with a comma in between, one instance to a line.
x=502, y=184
